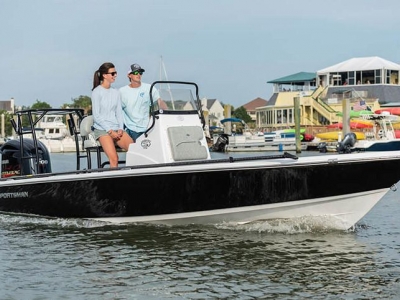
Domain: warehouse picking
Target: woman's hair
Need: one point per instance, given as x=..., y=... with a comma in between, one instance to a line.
x=98, y=75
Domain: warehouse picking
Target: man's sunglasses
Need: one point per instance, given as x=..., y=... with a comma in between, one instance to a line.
x=113, y=73
x=137, y=73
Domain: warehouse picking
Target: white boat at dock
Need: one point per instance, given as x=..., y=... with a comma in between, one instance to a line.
x=54, y=134
x=280, y=140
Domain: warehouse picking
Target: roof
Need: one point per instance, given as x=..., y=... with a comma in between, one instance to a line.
x=252, y=105
x=391, y=104
x=298, y=77
x=361, y=64
x=210, y=103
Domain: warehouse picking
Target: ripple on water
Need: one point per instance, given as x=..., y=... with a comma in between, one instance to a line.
x=282, y=259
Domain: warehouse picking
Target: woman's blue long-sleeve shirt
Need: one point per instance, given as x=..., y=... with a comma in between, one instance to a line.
x=107, y=109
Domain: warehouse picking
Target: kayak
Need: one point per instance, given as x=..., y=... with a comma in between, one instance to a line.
x=356, y=114
x=391, y=110
x=357, y=124
x=334, y=135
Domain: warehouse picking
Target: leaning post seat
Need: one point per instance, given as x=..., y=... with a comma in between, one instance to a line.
x=89, y=142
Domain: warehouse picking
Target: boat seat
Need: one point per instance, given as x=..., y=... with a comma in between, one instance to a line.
x=185, y=142
x=90, y=144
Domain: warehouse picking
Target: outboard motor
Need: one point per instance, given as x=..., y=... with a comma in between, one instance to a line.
x=221, y=143
x=347, y=143
x=322, y=147
x=12, y=165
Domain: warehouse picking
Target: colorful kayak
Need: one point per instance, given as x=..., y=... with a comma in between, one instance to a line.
x=307, y=137
x=356, y=124
x=391, y=110
x=356, y=114
x=334, y=135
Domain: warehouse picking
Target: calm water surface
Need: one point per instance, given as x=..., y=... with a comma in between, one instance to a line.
x=298, y=259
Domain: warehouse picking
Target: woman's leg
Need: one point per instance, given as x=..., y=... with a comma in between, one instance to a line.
x=109, y=149
x=124, y=141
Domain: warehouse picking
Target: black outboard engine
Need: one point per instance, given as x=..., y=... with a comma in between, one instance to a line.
x=347, y=143
x=322, y=147
x=221, y=143
x=12, y=165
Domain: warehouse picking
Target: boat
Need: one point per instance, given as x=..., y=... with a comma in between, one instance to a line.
x=53, y=127
x=169, y=177
x=280, y=140
x=54, y=134
x=383, y=138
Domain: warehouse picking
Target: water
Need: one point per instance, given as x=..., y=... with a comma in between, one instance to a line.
x=298, y=259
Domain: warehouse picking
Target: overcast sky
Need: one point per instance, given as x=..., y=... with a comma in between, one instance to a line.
x=49, y=49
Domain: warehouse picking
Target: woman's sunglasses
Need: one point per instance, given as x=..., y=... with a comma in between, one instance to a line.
x=113, y=73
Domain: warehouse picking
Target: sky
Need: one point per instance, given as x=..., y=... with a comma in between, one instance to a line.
x=50, y=49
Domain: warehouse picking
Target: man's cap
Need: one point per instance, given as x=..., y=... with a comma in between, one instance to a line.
x=135, y=67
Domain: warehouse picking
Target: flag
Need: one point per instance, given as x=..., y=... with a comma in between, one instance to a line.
x=360, y=105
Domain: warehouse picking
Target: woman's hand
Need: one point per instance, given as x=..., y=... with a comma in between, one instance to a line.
x=114, y=135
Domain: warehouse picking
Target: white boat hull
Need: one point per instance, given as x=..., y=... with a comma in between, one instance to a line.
x=344, y=211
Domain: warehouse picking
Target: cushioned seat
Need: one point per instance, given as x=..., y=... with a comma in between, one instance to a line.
x=89, y=142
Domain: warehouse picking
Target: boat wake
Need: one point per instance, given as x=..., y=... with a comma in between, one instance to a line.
x=306, y=224
x=7, y=219
x=309, y=224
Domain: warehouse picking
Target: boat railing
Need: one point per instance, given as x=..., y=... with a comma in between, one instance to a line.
x=32, y=117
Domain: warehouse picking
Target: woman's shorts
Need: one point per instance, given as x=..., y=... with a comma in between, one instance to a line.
x=98, y=133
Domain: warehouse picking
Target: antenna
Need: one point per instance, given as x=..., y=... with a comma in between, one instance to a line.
x=163, y=71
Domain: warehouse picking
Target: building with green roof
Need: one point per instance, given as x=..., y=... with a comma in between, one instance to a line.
x=371, y=79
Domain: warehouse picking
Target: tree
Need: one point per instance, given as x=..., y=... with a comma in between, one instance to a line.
x=84, y=102
x=241, y=113
x=40, y=104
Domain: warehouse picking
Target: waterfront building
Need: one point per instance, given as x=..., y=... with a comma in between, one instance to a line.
x=372, y=80
x=251, y=106
x=213, y=111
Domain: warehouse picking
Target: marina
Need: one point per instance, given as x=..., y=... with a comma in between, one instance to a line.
x=301, y=203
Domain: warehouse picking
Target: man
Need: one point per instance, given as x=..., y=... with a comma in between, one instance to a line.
x=136, y=102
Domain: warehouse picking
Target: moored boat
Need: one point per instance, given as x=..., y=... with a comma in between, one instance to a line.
x=383, y=138
x=279, y=140
x=170, y=178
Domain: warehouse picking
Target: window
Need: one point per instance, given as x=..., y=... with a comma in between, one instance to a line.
x=351, y=80
x=387, y=77
x=378, y=76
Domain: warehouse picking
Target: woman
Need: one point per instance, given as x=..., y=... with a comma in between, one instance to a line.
x=107, y=113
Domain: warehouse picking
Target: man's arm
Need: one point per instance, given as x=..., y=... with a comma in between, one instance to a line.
x=162, y=104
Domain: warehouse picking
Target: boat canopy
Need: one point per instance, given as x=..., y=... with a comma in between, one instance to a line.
x=232, y=120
